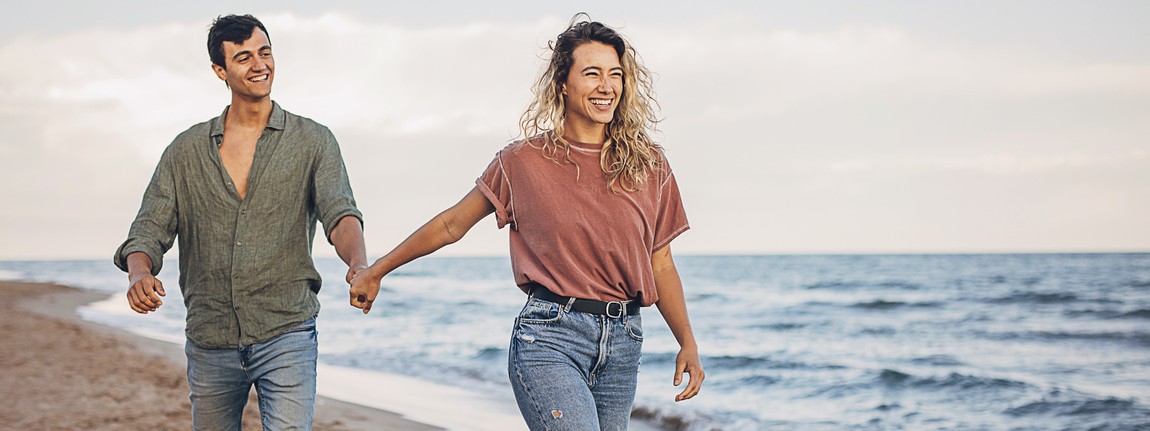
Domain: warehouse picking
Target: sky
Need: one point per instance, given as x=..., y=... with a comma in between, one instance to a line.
x=792, y=127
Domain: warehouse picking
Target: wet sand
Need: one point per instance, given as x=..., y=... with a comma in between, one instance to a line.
x=63, y=373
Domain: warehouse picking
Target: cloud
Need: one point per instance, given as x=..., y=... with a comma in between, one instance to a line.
x=783, y=130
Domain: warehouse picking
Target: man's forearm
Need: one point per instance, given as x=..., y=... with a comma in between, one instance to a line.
x=139, y=263
x=347, y=237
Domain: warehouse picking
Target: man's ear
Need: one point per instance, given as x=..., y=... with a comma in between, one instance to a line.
x=220, y=73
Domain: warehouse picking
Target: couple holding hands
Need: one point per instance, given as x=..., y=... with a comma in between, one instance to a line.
x=590, y=200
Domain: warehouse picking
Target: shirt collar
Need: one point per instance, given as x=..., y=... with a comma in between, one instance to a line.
x=276, y=121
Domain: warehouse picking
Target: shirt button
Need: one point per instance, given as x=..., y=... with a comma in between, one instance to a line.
x=239, y=243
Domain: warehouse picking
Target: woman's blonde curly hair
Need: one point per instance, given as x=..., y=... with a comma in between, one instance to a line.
x=629, y=154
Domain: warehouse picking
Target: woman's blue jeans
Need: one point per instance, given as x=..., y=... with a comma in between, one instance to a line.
x=572, y=370
x=282, y=370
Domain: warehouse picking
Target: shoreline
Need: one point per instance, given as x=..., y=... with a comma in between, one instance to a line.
x=76, y=374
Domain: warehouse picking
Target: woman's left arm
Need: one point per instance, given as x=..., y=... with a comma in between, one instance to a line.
x=673, y=307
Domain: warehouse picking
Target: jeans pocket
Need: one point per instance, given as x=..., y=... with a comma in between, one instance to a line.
x=540, y=311
x=634, y=326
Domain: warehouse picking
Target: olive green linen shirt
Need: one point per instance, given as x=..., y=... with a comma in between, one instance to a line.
x=246, y=270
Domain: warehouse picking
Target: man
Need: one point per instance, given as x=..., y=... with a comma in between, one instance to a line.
x=243, y=192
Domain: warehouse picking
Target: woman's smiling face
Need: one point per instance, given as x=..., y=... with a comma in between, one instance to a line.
x=593, y=87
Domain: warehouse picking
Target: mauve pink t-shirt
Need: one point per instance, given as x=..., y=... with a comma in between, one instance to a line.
x=571, y=233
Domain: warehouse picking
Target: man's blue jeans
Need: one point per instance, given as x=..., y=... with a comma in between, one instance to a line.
x=572, y=370
x=282, y=370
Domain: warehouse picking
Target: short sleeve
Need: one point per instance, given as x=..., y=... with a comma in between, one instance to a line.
x=496, y=187
x=672, y=218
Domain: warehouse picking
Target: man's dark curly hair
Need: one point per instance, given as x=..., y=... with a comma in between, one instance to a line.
x=231, y=28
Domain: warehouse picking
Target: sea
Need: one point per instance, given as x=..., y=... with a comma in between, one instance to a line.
x=788, y=342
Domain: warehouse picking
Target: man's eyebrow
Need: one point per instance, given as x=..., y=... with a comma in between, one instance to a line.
x=238, y=54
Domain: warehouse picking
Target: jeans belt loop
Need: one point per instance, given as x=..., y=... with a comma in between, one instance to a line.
x=567, y=307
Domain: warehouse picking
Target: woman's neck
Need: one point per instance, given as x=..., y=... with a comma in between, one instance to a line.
x=588, y=134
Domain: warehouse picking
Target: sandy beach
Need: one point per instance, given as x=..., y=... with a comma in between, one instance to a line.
x=64, y=373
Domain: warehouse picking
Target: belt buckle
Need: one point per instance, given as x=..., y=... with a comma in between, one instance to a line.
x=622, y=308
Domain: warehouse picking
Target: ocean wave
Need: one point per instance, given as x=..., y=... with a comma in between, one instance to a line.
x=779, y=326
x=881, y=330
x=898, y=285
x=893, y=378
x=837, y=391
x=1108, y=314
x=954, y=381
x=738, y=362
x=412, y=273
x=1137, y=338
x=1133, y=337
x=720, y=297
x=881, y=304
x=1107, y=406
x=1136, y=314
x=490, y=353
x=830, y=285
x=939, y=360
x=1090, y=312
x=861, y=285
x=731, y=363
x=7, y=275
x=965, y=382
x=1035, y=298
x=758, y=381
x=678, y=421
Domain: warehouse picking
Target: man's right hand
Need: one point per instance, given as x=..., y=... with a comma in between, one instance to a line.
x=144, y=293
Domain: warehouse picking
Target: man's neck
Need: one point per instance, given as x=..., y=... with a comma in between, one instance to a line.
x=248, y=113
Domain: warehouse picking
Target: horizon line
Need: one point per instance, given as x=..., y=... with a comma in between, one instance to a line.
x=174, y=256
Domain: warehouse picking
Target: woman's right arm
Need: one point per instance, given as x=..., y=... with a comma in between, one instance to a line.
x=446, y=228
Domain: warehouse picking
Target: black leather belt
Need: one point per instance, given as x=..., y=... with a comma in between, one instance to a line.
x=613, y=309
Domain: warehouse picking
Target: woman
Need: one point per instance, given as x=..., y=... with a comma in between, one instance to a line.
x=593, y=207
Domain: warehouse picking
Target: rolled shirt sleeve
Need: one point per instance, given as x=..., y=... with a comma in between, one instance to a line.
x=496, y=187
x=671, y=219
x=154, y=230
x=332, y=192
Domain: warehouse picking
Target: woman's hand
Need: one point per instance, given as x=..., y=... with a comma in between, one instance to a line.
x=688, y=362
x=364, y=288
